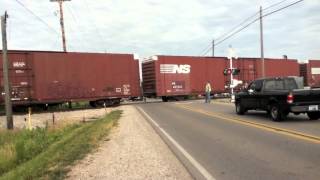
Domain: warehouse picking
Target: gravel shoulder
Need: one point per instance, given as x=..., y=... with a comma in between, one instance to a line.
x=132, y=151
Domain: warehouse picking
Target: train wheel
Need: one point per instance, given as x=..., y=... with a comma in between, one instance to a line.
x=45, y=107
x=19, y=109
x=116, y=102
x=164, y=98
x=70, y=105
x=93, y=104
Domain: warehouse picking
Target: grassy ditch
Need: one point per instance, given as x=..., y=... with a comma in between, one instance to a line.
x=47, y=153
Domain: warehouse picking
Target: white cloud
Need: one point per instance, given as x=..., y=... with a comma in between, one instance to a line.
x=151, y=27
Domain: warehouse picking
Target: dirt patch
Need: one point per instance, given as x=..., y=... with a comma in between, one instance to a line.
x=65, y=117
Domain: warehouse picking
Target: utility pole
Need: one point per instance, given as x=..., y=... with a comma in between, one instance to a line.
x=62, y=23
x=8, y=104
x=212, y=48
x=261, y=43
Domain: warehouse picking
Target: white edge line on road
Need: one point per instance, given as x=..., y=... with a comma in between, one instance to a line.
x=195, y=163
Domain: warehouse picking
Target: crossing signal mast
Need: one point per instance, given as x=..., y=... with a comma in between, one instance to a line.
x=232, y=71
x=231, y=55
x=62, y=23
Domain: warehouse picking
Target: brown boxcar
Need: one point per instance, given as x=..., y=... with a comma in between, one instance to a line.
x=165, y=76
x=251, y=68
x=311, y=73
x=54, y=77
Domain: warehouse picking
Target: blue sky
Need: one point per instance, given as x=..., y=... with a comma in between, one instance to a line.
x=175, y=27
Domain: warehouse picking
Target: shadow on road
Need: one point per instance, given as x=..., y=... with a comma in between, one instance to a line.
x=263, y=116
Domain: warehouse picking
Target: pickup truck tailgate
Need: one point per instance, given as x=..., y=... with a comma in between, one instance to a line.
x=306, y=96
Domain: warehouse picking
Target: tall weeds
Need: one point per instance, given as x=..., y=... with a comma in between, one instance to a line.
x=47, y=151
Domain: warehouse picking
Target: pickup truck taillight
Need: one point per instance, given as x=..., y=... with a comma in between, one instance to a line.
x=290, y=98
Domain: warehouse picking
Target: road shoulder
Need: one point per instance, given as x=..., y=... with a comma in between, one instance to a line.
x=132, y=151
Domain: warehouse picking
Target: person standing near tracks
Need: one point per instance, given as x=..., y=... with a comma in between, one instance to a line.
x=208, y=92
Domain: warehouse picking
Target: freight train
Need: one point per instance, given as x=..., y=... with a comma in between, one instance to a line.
x=51, y=78
x=45, y=78
x=181, y=76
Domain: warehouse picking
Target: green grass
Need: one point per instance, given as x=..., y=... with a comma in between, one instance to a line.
x=47, y=153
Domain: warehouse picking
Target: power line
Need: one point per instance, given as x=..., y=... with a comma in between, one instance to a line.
x=273, y=5
x=244, y=27
x=248, y=18
x=72, y=14
x=75, y=21
x=207, y=49
x=239, y=30
x=235, y=27
x=41, y=20
x=95, y=25
x=267, y=14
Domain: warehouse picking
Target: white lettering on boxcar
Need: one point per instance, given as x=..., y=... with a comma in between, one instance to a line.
x=126, y=89
x=315, y=70
x=118, y=90
x=19, y=64
x=19, y=71
x=175, y=68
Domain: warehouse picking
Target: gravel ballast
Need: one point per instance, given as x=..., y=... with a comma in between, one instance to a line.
x=63, y=117
x=133, y=150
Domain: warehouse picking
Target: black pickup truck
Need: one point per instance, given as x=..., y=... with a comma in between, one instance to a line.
x=279, y=96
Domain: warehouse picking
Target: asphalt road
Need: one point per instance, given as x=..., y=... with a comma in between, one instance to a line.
x=246, y=147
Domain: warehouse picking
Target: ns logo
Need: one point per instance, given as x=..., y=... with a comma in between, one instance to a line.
x=175, y=68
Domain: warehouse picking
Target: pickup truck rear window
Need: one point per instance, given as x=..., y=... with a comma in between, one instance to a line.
x=280, y=84
x=290, y=84
x=274, y=85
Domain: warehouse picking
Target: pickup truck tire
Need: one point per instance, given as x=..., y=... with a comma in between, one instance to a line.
x=239, y=108
x=275, y=113
x=313, y=115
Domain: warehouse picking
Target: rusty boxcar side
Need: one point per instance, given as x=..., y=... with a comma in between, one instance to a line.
x=182, y=75
x=165, y=76
x=251, y=68
x=54, y=77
